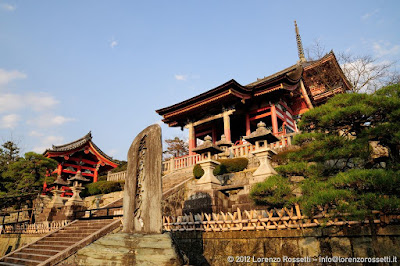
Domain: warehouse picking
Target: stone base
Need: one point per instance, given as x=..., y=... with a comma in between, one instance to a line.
x=128, y=249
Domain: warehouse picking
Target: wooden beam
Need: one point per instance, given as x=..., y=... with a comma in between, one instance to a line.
x=211, y=118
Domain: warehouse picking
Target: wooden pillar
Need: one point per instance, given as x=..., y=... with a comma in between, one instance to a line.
x=274, y=119
x=59, y=169
x=214, y=134
x=192, y=138
x=248, y=130
x=305, y=95
x=227, y=126
x=95, y=175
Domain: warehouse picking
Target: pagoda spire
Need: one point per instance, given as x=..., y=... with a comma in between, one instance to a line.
x=299, y=44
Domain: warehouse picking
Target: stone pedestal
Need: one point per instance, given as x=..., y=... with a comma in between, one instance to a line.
x=75, y=199
x=208, y=179
x=265, y=169
x=128, y=249
x=56, y=200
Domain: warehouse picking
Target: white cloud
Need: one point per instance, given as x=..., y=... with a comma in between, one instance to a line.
x=40, y=101
x=8, y=76
x=46, y=120
x=47, y=142
x=112, y=152
x=34, y=133
x=180, y=77
x=8, y=7
x=9, y=121
x=10, y=102
x=370, y=14
x=113, y=43
x=383, y=48
x=35, y=101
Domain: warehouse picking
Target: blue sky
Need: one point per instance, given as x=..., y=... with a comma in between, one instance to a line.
x=68, y=67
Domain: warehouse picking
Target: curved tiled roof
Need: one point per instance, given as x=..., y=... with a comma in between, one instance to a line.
x=79, y=143
x=74, y=144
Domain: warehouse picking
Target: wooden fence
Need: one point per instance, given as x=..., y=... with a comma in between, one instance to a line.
x=37, y=228
x=258, y=220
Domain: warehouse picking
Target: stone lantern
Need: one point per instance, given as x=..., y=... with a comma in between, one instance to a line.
x=224, y=145
x=260, y=138
x=76, y=188
x=58, y=184
x=208, y=165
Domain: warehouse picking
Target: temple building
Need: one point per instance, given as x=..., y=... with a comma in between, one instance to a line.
x=278, y=100
x=80, y=155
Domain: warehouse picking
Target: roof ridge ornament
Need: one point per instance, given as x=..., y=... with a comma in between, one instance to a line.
x=299, y=45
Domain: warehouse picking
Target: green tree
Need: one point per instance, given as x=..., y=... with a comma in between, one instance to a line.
x=9, y=153
x=336, y=157
x=27, y=174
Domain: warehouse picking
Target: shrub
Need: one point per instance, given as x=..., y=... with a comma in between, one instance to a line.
x=220, y=169
x=274, y=192
x=198, y=171
x=102, y=178
x=234, y=165
x=102, y=187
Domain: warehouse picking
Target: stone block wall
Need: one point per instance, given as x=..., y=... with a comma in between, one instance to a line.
x=213, y=248
x=11, y=242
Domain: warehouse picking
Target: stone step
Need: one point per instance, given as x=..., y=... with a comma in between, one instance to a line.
x=48, y=247
x=9, y=263
x=68, y=234
x=66, y=239
x=21, y=261
x=30, y=256
x=77, y=231
x=55, y=242
x=41, y=251
x=93, y=221
x=84, y=227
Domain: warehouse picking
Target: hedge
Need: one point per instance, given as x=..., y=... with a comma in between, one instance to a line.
x=231, y=166
x=198, y=171
x=102, y=187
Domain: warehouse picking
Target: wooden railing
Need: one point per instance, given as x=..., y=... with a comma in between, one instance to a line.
x=242, y=150
x=285, y=141
x=116, y=176
x=17, y=216
x=37, y=228
x=275, y=219
x=103, y=213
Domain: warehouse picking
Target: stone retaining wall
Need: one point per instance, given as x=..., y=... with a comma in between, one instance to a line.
x=358, y=241
x=11, y=242
x=99, y=201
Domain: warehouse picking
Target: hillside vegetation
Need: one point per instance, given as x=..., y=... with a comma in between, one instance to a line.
x=348, y=155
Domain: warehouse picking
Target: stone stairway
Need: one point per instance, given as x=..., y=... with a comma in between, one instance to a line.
x=173, y=179
x=60, y=244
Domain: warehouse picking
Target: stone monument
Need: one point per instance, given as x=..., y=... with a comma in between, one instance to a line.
x=207, y=149
x=143, y=191
x=261, y=138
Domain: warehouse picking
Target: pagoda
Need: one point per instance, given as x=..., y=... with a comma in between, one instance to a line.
x=234, y=110
x=82, y=156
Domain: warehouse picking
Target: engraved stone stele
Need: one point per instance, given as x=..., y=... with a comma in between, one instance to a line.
x=260, y=138
x=143, y=190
